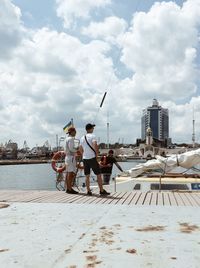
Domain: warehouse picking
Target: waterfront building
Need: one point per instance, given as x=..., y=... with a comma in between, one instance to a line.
x=157, y=119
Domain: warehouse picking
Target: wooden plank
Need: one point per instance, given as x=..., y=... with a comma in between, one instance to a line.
x=172, y=199
x=72, y=198
x=13, y=195
x=114, y=201
x=18, y=197
x=178, y=199
x=113, y=198
x=147, y=200
x=160, y=199
x=4, y=195
x=47, y=196
x=166, y=201
x=196, y=198
x=154, y=199
x=43, y=196
x=141, y=199
x=123, y=198
x=135, y=198
x=60, y=197
x=129, y=198
x=96, y=199
x=84, y=198
x=184, y=199
x=191, y=200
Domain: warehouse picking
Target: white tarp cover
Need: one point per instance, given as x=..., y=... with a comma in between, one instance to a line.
x=186, y=160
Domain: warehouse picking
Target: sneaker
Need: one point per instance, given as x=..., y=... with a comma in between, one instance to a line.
x=89, y=192
x=104, y=192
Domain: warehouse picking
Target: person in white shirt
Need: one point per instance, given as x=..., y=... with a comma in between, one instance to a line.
x=70, y=160
x=89, y=149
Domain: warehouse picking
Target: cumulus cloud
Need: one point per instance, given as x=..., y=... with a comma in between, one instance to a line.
x=11, y=29
x=161, y=48
x=70, y=10
x=109, y=29
x=53, y=76
x=50, y=80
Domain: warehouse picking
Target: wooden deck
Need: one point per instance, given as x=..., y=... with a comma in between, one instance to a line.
x=135, y=198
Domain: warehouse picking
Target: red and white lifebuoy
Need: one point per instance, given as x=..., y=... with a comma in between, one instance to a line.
x=57, y=157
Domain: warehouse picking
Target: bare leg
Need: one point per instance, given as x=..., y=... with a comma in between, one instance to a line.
x=66, y=181
x=99, y=180
x=70, y=180
x=73, y=179
x=87, y=182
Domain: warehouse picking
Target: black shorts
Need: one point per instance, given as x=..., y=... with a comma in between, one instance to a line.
x=91, y=164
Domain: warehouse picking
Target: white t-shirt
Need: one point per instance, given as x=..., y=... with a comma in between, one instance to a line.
x=70, y=148
x=88, y=153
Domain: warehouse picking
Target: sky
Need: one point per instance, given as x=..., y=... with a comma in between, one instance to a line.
x=59, y=57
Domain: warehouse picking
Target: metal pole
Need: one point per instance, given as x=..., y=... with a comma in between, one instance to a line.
x=57, y=141
x=108, y=131
x=108, y=135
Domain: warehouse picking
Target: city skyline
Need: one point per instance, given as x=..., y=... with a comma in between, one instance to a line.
x=59, y=57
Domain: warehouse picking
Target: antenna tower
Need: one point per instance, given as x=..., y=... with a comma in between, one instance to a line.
x=193, y=133
x=108, y=131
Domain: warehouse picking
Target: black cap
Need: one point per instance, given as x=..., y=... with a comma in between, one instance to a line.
x=89, y=126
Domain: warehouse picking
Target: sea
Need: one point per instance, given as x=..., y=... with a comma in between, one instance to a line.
x=41, y=176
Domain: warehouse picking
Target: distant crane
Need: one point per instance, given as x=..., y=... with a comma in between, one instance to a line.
x=46, y=144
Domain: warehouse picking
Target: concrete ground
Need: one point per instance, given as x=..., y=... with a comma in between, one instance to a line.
x=44, y=235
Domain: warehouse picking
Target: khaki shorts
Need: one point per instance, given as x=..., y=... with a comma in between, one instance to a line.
x=70, y=162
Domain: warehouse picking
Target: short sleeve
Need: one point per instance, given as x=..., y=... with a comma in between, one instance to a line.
x=93, y=138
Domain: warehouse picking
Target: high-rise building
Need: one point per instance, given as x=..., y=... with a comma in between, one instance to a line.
x=157, y=119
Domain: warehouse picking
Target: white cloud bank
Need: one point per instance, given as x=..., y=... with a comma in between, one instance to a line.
x=110, y=29
x=10, y=27
x=71, y=10
x=48, y=77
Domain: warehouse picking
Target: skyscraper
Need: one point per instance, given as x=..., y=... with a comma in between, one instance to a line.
x=156, y=118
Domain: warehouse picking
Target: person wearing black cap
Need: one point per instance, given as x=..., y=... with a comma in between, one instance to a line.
x=89, y=150
x=106, y=166
x=70, y=160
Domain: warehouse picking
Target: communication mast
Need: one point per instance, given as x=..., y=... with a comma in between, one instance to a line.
x=108, y=142
x=193, y=133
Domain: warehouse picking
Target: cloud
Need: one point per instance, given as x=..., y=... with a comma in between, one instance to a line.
x=11, y=30
x=50, y=79
x=108, y=30
x=161, y=48
x=71, y=10
x=48, y=76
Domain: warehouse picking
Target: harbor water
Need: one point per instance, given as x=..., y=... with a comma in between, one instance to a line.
x=39, y=176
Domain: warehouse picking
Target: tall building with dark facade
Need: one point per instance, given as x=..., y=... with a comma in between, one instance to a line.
x=156, y=118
